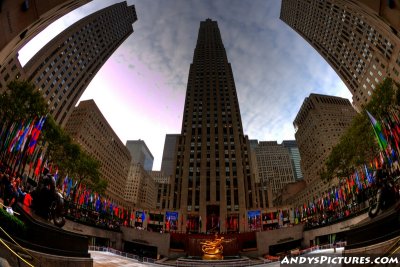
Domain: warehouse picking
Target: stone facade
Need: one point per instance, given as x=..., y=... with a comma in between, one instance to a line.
x=319, y=124
x=361, y=46
x=88, y=127
x=212, y=178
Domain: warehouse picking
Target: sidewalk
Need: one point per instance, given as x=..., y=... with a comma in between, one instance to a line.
x=107, y=259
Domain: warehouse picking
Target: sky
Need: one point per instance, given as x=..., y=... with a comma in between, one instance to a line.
x=141, y=88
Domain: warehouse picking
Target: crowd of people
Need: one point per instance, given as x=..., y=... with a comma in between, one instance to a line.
x=11, y=187
x=14, y=188
x=91, y=217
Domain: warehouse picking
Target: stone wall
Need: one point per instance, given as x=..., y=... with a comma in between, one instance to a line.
x=310, y=235
x=161, y=241
x=114, y=238
x=278, y=236
x=41, y=259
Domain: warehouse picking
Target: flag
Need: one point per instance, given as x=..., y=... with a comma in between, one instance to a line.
x=69, y=186
x=39, y=163
x=98, y=204
x=16, y=137
x=29, y=134
x=35, y=135
x=25, y=133
x=10, y=135
x=143, y=216
x=370, y=177
x=378, y=132
x=56, y=175
x=65, y=184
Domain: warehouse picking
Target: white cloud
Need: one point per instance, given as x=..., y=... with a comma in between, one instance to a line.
x=274, y=68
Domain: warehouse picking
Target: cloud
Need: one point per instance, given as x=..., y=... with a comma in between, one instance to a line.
x=274, y=68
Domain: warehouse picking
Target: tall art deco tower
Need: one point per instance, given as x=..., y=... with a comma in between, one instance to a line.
x=212, y=185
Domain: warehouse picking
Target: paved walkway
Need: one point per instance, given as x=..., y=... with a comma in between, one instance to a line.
x=107, y=259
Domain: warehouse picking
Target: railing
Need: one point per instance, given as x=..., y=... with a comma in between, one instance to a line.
x=24, y=257
x=122, y=254
x=230, y=263
x=298, y=252
x=318, y=247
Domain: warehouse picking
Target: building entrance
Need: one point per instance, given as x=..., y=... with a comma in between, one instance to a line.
x=213, y=220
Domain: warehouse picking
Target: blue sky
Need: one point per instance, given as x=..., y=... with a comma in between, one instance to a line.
x=141, y=89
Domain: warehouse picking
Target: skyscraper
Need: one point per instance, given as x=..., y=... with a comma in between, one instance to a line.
x=212, y=182
x=21, y=20
x=141, y=189
x=362, y=47
x=88, y=127
x=167, y=163
x=388, y=10
x=319, y=124
x=64, y=67
x=274, y=170
x=140, y=153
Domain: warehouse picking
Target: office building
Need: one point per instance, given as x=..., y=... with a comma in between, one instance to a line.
x=389, y=11
x=274, y=170
x=64, y=67
x=22, y=20
x=88, y=127
x=294, y=153
x=212, y=182
x=319, y=124
x=140, y=153
x=163, y=189
x=141, y=189
x=168, y=157
x=362, y=47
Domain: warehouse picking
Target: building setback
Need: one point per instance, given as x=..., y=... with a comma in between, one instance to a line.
x=22, y=20
x=319, y=124
x=88, y=127
x=360, y=46
x=140, y=153
x=64, y=67
x=212, y=182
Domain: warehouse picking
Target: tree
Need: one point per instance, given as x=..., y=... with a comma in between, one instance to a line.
x=358, y=144
x=20, y=101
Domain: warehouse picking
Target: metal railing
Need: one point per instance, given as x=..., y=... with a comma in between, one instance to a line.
x=231, y=263
x=317, y=247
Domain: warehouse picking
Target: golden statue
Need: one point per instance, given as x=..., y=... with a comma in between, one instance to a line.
x=213, y=249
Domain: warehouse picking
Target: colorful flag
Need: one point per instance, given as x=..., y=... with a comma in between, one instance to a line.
x=69, y=186
x=16, y=137
x=35, y=135
x=39, y=163
x=56, y=175
x=378, y=132
x=65, y=184
x=24, y=135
